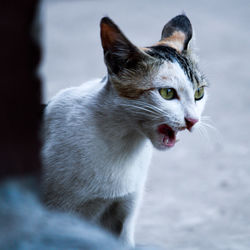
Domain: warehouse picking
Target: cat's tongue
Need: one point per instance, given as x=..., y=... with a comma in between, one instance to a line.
x=169, y=138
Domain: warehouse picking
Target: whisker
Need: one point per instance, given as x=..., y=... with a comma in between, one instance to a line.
x=204, y=121
x=146, y=107
x=204, y=125
x=150, y=106
x=205, y=133
x=210, y=126
x=140, y=108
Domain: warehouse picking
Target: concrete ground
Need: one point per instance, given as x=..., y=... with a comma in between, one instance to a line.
x=198, y=194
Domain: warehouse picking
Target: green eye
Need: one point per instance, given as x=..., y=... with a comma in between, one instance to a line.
x=168, y=93
x=199, y=93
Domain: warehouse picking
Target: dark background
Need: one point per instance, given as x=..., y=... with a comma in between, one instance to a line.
x=20, y=87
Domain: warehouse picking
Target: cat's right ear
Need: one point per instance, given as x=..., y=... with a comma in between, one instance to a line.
x=177, y=33
x=119, y=52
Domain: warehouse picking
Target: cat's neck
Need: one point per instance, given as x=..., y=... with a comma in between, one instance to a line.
x=113, y=122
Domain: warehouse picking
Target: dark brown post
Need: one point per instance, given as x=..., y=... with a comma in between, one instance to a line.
x=19, y=89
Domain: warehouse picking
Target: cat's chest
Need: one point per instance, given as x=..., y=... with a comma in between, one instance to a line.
x=122, y=171
x=133, y=166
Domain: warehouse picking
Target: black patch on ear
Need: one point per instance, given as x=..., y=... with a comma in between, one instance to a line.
x=179, y=23
x=119, y=52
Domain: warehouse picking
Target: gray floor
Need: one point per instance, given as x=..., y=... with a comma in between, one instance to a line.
x=198, y=194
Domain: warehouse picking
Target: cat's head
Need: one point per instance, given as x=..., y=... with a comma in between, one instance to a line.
x=160, y=87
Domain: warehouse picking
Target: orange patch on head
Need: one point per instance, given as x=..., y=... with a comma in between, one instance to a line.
x=176, y=41
x=144, y=49
x=132, y=88
x=129, y=91
x=132, y=84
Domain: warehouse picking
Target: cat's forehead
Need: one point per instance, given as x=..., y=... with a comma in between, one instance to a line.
x=171, y=74
x=178, y=64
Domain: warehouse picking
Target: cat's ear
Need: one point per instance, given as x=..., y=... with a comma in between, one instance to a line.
x=177, y=33
x=119, y=52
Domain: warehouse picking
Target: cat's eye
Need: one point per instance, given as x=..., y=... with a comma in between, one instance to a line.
x=199, y=93
x=168, y=93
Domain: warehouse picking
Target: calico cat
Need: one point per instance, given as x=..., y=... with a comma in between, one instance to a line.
x=98, y=138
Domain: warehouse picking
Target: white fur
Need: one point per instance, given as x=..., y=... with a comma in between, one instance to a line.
x=97, y=144
x=90, y=149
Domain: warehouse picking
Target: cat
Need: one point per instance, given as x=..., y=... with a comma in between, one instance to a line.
x=98, y=137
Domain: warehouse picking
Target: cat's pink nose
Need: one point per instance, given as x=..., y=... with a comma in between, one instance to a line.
x=190, y=122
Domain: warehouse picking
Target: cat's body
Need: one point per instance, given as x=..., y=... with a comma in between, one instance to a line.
x=87, y=182
x=98, y=137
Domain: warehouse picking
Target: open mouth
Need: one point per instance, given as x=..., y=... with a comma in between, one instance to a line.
x=169, y=135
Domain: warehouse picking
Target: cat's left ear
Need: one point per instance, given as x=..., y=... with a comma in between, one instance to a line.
x=177, y=33
x=119, y=52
